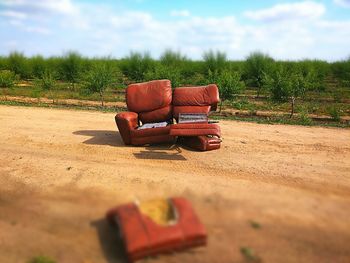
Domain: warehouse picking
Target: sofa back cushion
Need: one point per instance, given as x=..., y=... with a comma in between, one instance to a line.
x=151, y=100
x=199, y=99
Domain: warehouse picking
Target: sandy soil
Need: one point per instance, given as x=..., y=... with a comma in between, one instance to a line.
x=60, y=170
x=122, y=105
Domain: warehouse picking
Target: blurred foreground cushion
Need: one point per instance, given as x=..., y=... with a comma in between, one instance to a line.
x=158, y=226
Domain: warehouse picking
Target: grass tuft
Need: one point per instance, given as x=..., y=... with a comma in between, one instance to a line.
x=255, y=225
x=249, y=254
x=41, y=259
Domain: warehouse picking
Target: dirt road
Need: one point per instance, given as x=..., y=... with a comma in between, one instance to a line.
x=60, y=170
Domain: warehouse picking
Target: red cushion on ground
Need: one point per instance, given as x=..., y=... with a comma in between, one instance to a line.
x=143, y=237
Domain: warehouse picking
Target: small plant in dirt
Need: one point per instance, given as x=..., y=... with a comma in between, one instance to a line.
x=230, y=85
x=99, y=78
x=8, y=79
x=242, y=104
x=249, y=254
x=47, y=82
x=337, y=96
x=303, y=117
x=255, y=225
x=334, y=112
x=41, y=259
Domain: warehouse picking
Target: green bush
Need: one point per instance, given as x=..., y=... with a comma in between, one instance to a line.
x=215, y=62
x=334, y=112
x=243, y=104
x=137, y=65
x=284, y=84
x=18, y=63
x=304, y=118
x=99, y=78
x=7, y=79
x=172, y=59
x=196, y=79
x=38, y=66
x=256, y=66
x=341, y=70
x=46, y=82
x=164, y=72
x=346, y=81
x=230, y=85
x=314, y=82
x=71, y=67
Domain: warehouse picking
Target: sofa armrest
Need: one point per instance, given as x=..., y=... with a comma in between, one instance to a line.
x=126, y=121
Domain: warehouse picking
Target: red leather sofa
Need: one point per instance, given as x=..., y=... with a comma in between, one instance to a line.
x=155, y=101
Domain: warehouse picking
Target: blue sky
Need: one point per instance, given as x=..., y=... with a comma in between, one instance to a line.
x=284, y=29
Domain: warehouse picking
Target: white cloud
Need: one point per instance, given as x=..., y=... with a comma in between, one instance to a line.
x=60, y=6
x=183, y=13
x=301, y=34
x=39, y=30
x=14, y=14
x=343, y=3
x=288, y=11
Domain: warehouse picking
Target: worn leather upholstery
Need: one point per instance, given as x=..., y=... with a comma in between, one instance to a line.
x=147, y=102
x=149, y=136
x=151, y=100
x=201, y=143
x=143, y=237
x=201, y=99
x=195, y=129
x=126, y=122
x=155, y=101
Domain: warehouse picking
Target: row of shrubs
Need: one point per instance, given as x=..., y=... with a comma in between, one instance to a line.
x=139, y=67
x=281, y=80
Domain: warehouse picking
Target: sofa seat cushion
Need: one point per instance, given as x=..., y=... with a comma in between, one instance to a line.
x=150, y=132
x=190, y=109
x=195, y=129
x=158, y=115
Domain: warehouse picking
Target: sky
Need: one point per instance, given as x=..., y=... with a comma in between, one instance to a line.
x=286, y=30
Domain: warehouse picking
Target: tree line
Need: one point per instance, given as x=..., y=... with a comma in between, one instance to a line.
x=280, y=80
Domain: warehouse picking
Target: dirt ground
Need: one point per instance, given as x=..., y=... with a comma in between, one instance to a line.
x=60, y=170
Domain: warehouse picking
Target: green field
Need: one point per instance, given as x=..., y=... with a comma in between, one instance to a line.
x=305, y=92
